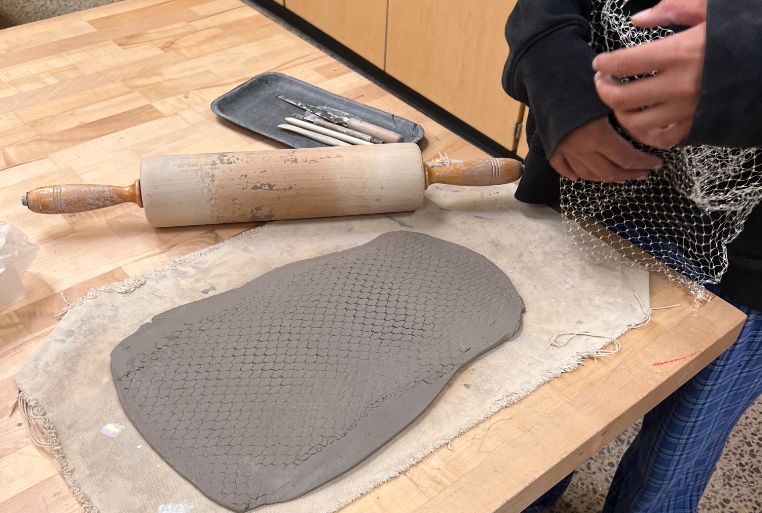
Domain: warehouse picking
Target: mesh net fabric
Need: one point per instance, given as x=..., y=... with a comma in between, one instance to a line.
x=684, y=215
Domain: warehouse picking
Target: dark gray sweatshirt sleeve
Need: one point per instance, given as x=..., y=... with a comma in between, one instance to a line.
x=549, y=67
x=729, y=111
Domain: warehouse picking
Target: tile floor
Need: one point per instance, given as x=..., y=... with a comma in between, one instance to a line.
x=736, y=486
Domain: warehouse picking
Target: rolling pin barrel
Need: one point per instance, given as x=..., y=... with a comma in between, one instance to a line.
x=216, y=188
x=281, y=184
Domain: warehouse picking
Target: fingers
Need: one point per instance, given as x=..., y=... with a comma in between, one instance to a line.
x=638, y=60
x=658, y=110
x=632, y=95
x=659, y=126
x=672, y=12
x=673, y=135
x=673, y=52
x=640, y=122
x=648, y=18
x=582, y=169
x=607, y=171
x=562, y=167
x=623, y=154
x=596, y=152
x=594, y=167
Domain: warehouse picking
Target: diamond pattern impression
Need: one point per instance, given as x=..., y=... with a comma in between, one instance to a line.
x=263, y=393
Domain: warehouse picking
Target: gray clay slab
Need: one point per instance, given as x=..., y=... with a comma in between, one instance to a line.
x=263, y=393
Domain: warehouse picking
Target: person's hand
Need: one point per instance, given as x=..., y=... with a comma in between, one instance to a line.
x=657, y=110
x=688, y=13
x=595, y=151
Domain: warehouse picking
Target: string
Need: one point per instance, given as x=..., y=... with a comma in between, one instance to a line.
x=64, y=299
x=28, y=415
x=647, y=320
x=557, y=340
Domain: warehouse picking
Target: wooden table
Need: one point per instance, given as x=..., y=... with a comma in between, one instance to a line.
x=84, y=97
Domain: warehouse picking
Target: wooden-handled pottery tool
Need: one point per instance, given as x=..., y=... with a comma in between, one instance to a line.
x=213, y=188
x=326, y=131
x=346, y=119
x=337, y=128
x=321, y=138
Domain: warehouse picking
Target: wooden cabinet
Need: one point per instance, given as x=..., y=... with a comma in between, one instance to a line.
x=453, y=52
x=450, y=51
x=357, y=24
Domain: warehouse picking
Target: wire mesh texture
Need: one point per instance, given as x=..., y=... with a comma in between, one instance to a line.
x=686, y=213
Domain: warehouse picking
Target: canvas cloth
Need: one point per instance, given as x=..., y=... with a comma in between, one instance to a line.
x=69, y=389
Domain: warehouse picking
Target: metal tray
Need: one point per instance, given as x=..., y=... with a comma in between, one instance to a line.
x=253, y=105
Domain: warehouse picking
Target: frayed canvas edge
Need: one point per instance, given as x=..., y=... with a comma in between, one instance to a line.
x=39, y=415
x=132, y=284
x=137, y=281
x=421, y=452
x=39, y=420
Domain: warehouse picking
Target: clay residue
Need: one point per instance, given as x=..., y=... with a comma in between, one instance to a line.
x=265, y=186
x=260, y=215
x=271, y=187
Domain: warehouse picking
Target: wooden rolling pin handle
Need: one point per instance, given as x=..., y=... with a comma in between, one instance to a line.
x=375, y=131
x=476, y=172
x=70, y=199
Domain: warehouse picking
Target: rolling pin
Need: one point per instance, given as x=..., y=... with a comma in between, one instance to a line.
x=214, y=188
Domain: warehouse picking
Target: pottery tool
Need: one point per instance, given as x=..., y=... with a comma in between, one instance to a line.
x=234, y=187
x=315, y=120
x=346, y=119
x=330, y=133
x=330, y=141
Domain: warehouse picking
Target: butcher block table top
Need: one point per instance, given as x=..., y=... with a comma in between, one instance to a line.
x=84, y=97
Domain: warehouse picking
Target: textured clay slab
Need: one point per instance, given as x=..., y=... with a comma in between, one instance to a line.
x=263, y=393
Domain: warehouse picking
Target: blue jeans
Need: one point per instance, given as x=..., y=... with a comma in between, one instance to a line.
x=668, y=465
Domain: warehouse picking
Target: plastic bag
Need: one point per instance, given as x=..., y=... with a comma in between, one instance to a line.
x=16, y=255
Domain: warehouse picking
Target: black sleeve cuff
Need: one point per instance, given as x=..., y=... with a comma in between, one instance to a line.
x=729, y=111
x=555, y=78
x=539, y=184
